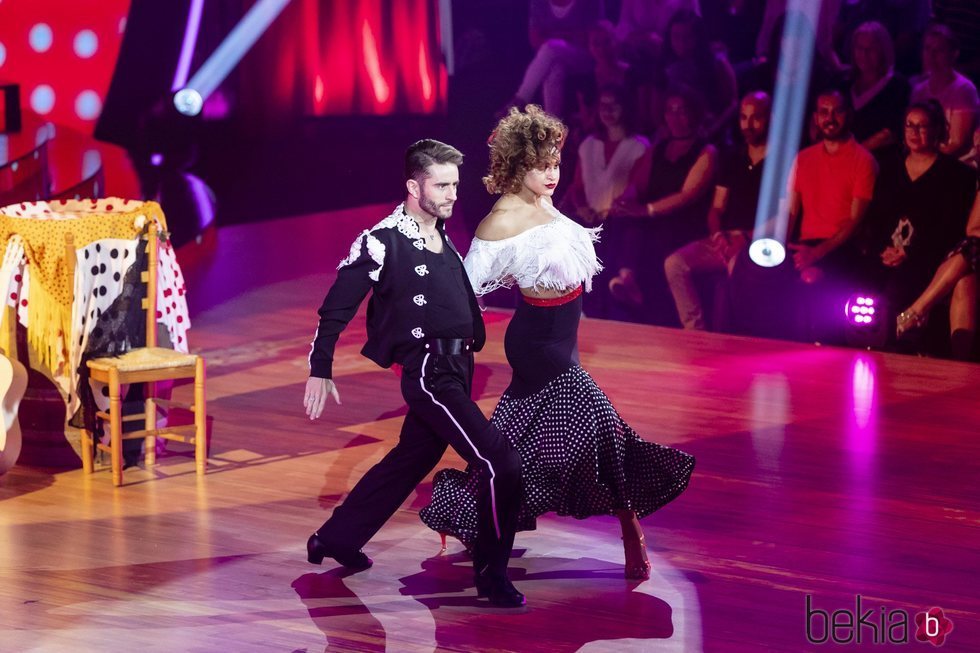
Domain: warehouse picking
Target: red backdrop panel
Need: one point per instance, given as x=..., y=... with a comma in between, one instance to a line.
x=373, y=57
x=62, y=53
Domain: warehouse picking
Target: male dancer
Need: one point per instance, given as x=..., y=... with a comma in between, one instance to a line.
x=422, y=315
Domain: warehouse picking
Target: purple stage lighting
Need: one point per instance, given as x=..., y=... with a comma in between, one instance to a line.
x=865, y=326
x=860, y=310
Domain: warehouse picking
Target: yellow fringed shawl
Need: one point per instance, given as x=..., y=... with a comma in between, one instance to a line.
x=43, y=227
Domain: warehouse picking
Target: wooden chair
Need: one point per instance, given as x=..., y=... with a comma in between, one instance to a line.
x=147, y=365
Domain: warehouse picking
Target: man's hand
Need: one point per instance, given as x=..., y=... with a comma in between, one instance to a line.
x=804, y=256
x=315, y=398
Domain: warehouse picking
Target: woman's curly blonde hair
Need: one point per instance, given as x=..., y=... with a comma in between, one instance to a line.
x=522, y=141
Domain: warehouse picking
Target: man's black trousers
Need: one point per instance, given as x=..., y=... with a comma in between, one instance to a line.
x=440, y=413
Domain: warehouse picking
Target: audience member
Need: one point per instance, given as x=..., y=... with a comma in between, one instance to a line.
x=905, y=21
x=963, y=18
x=558, y=32
x=690, y=61
x=733, y=25
x=956, y=93
x=607, y=160
x=831, y=186
x=609, y=67
x=641, y=19
x=920, y=208
x=731, y=218
x=878, y=93
x=663, y=209
x=823, y=30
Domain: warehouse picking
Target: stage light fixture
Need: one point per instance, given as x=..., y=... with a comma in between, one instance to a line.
x=190, y=99
x=865, y=328
x=861, y=310
x=767, y=252
x=788, y=108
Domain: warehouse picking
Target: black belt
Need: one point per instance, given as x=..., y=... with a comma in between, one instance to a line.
x=448, y=346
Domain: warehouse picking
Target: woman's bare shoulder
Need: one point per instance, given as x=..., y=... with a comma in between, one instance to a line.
x=506, y=220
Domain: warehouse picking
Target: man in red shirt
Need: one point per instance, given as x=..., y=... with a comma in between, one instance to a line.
x=831, y=185
x=829, y=191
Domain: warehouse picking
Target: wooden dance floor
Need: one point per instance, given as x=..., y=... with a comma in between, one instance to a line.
x=822, y=472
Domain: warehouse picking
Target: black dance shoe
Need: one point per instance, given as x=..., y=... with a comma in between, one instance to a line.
x=316, y=551
x=500, y=591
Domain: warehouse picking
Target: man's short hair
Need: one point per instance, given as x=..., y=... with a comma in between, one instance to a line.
x=945, y=33
x=426, y=152
x=836, y=91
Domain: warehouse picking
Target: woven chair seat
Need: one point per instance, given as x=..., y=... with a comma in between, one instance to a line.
x=145, y=365
x=144, y=358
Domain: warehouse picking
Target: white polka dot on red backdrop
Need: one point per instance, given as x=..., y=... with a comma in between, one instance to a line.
x=62, y=53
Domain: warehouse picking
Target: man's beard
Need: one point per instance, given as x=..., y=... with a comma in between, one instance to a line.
x=837, y=133
x=432, y=208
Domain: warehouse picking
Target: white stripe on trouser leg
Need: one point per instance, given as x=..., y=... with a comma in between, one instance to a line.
x=493, y=494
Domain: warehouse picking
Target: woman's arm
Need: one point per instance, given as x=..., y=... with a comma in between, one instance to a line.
x=699, y=181
x=960, y=132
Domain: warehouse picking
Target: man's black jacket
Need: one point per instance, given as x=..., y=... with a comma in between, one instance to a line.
x=389, y=259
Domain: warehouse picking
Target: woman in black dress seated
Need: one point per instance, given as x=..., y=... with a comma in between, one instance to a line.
x=920, y=207
x=663, y=209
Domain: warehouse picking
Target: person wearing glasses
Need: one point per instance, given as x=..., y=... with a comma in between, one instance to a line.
x=920, y=207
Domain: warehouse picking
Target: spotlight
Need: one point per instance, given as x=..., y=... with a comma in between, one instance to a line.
x=864, y=329
x=788, y=108
x=767, y=252
x=188, y=101
x=860, y=309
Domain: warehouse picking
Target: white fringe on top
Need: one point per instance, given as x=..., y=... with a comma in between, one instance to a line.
x=555, y=256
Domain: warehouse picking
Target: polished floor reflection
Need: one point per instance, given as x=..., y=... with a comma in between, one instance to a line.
x=822, y=472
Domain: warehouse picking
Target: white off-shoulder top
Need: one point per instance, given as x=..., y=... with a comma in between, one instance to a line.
x=557, y=256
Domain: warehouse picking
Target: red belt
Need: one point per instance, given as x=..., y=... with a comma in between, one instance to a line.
x=553, y=301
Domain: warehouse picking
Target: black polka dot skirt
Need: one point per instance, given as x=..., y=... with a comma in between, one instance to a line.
x=579, y=458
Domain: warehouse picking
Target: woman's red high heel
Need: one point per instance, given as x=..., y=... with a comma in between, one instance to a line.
x=637, y=564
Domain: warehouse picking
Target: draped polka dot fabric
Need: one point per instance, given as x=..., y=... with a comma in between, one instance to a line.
x=579, y=458
x=104, y=265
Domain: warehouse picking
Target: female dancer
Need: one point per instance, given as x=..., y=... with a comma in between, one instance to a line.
x=578, y=456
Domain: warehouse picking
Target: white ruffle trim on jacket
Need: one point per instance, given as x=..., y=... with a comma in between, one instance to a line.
x=400, y=220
